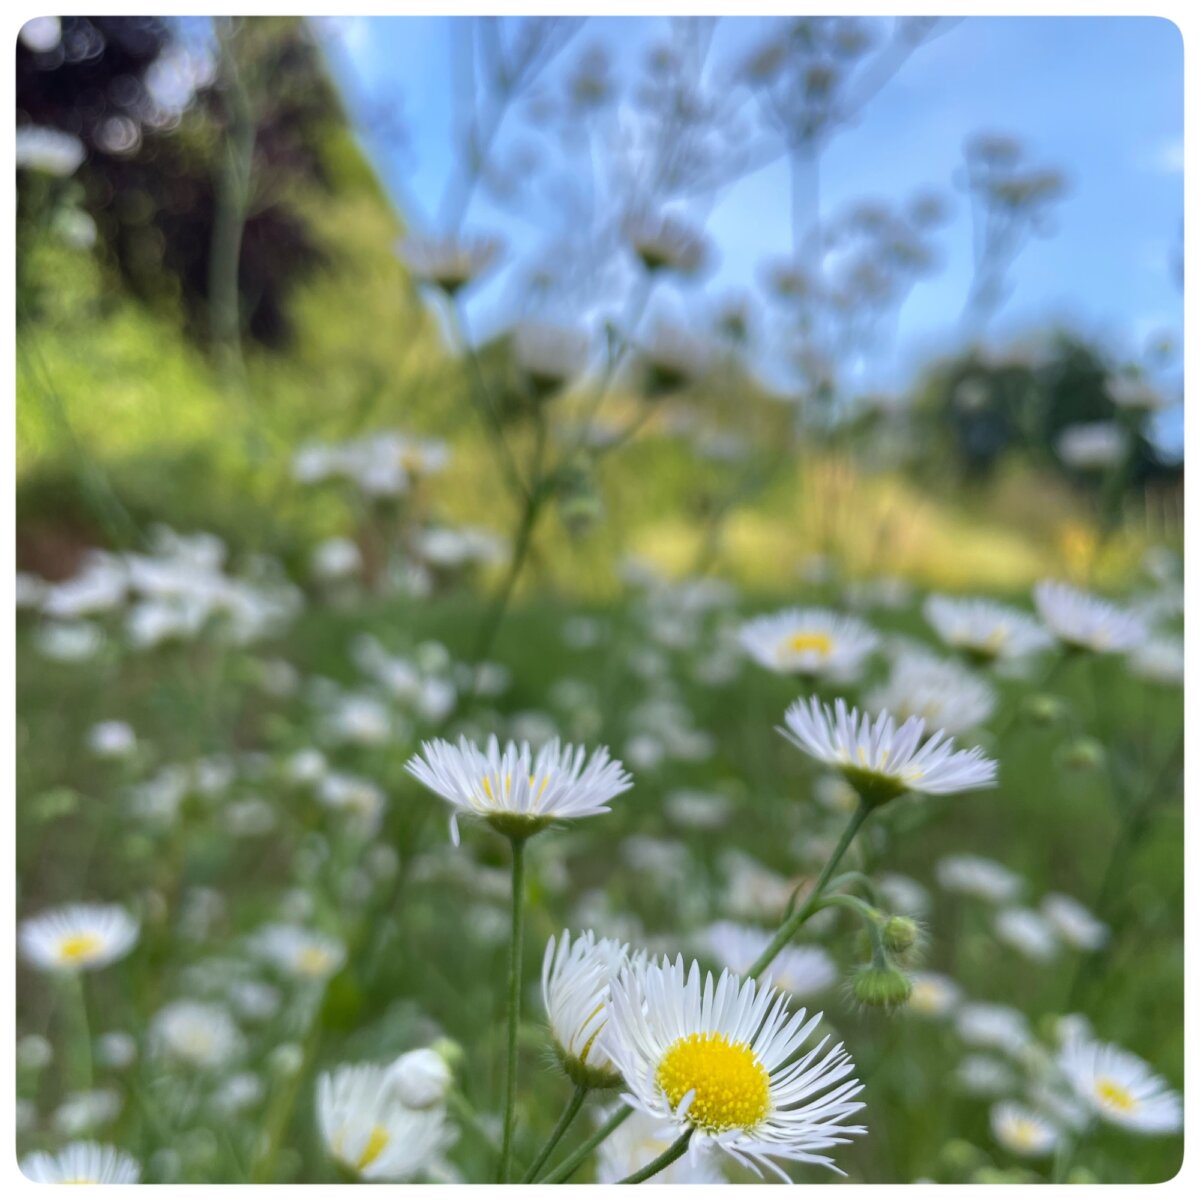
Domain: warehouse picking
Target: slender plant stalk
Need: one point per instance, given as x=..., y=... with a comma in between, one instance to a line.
x=514, y=1000
x=574, y=1161
x=564, y=1123
x=674, y=1151
x=79, y=1038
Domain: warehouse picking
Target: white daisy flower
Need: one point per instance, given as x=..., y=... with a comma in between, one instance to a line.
x=83, y=1112
x=939, y=691
x=449, y=263
x=112, y=739
x=1092, y=445
x=1082, y=621
x=1159, y=660
x=196, y=1033
x=517, y=792
x=985, y=630
x=809, y=641
x=716, y=1058
x=576, y=980
x=301, y=953
x=881, y=761
x=1027, y=932
x=1022, y=1131
x=932, y=995
x=994, y=1026
x=638, y=1141
x=982, y=1075
x=800, y=970
x=973, y=875
x=78, y=937
x=1073, y=922
x=1120, y=1088
x=367, y=1128
x=904, y=895
x=81, y=1162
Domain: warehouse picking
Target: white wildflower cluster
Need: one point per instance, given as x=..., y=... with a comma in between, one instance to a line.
x=381, y=465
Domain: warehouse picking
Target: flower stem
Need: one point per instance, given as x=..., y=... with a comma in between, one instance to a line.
x=79, y=1037
x=564, y=1123
x=571, y=1164
x=514, y=999
x=788, y=929
x=674, y=1151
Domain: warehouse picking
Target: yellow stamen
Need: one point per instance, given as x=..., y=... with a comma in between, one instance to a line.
x=376, y=1144
x=312, y=960
x=79, y=946
x=818, y=643
x=1115, y=1096
x=732, y=1088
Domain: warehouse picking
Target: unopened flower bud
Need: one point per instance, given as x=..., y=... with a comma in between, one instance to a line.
x=421, y=1078
x=1044, y=709
x=882, y=986
x=1083, y=754
x=900, y=935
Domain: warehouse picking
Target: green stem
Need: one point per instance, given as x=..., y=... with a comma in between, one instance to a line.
x=574, y=1161
x=788, y=929
x=674, y=1151
x=79, y=1038
x=514, y=1000
x=564, y=1123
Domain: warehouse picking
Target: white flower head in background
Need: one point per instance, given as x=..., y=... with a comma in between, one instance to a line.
x=718, y=1057
x=880, y=760
x=577, y=977
x=302, y=953
x=1082, y=621
x=984, y=630
x=1074, y=923
x=940, y=691
x=1119, y=1087
x=369, y=1130
x=800, y=970
x=81, y=1162
x=421, y=1078
x=1028, y=932
x=112, y=739
x=932, y=995
x=1022, y=1130
x=973, y=875
x=449, y=263
x=196, y=1033
x=516, y=792
x=78, y=937
x=1159, y=660
x=809, y=641
x=993, y=1026
x=1092, y=445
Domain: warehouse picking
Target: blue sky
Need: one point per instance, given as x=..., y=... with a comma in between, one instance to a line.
x=1101, y=98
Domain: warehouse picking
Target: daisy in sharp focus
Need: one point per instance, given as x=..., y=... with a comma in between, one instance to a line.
x=809, y=641
x=516, y=792
x=576, y=981
x=1119, y=1087
x=81, y=1162
x=717, y=1057
x=78, y=937
x=368, y=1129
x=984, y=630
x=1082, y=621
x=881, y=761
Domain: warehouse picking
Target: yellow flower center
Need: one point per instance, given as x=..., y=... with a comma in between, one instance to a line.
x=732, y=1088
x=79, y=946
x=91, y=1181
x=490, y=792
x=818, y=643
x=376, y=1144
x=1024, y=1134
x=312, y=960
x=1115, y=1096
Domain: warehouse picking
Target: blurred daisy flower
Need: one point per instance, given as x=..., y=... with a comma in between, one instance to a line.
x=1073, y=922
x=1159, y=660
x=800, y=970
x=1082, y=621
x=718, y=1058
x=301, y=953
x=984, y=630
x=639, y=1140
x=78, y=937
x=1119, y=1087
x=196, y=1033
x=81, y=1162
x=973, y=875
x=576, y=980
x=516, y=792
x=880, y=760
x=368, y=1129
x=937, y=690
x=449, y=263
x=809, y=641
x=1022, y=1131
x=1028, y=932
x=112, y=739
x=932, y=995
